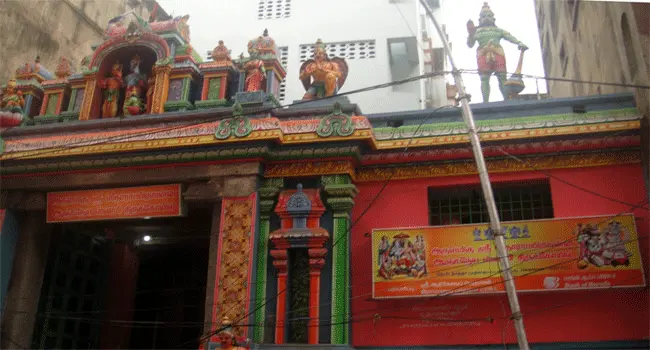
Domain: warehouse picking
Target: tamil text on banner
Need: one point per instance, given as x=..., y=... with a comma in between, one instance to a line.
x=553, y=254
x=115, y=203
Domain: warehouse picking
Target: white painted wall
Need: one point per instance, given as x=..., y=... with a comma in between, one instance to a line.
x=332, y=21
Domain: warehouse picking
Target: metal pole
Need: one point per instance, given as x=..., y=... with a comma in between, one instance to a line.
x=502, y=250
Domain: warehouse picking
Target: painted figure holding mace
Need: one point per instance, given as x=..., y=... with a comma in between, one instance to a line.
x=489, y=54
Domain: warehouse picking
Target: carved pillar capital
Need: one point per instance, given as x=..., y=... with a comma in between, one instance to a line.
x=268, y=194
x=210, y=191
x=341, y=192
x=316, y=259
x=240, y=186
x=280, y=260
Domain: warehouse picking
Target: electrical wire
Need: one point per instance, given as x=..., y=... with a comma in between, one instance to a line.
x=575, y=81
x=549, y=174
x=147, y=324
x=361, y=90
x=341, y=236
x=464, y=291
x=512, y=266
x=500, y=271
x=49, y=150
x=452, y=268
x=454, y=292
x=54, y=150
x=555, y=246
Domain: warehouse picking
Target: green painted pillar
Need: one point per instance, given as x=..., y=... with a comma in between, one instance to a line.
x=340, y=199
x=268, y=195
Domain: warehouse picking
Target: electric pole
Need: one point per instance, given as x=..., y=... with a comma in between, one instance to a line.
x=495, y=223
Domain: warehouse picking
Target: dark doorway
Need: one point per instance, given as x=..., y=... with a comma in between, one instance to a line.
x=170, y=294
x=166, y=300
x=170, y=299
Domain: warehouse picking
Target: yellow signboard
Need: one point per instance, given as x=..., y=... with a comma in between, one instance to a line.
x=553, y=254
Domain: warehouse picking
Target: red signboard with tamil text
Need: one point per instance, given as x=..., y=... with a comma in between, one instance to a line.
x=115, y=203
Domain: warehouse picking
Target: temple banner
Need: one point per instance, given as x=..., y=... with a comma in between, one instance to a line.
x=115, y=203
x=553, y=254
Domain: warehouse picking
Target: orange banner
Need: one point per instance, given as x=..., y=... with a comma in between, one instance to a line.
x=554, y=254
x=115, y=203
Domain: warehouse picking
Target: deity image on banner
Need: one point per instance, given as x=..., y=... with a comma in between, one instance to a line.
x=403, y=258
x=603, y=247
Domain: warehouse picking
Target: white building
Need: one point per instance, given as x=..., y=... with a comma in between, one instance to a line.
x=381, y=40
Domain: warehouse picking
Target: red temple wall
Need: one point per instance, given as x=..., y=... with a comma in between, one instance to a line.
x=560, y=316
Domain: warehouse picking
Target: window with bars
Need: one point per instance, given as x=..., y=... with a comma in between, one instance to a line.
x=270, y=9
x=283, y=53
x=465, y=204
x=350, y=50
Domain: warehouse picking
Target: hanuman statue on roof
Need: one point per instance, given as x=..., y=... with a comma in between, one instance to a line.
x=489, y=54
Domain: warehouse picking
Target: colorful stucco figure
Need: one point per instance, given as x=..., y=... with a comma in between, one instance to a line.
x=321, y=75
x=112, y=86
x=135, y=79
x=255, y=71
x=133, y=104
x=489, y=54
x=227, y=338
x=12, y=100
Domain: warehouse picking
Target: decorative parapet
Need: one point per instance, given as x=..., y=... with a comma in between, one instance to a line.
x=304, y=132
x=336, y=124
x=562, y=161
x=508, y=124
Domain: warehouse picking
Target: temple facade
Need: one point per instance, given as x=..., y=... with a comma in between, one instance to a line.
x=153, y=200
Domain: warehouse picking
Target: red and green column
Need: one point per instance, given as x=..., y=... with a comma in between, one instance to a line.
x=340, y=200
x=268, y=195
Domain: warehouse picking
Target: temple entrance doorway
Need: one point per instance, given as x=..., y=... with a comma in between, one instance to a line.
x=137, y=284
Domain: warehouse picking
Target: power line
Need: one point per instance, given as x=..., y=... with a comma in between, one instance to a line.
x=549, y=174
x=258, y=112
x=576, y=81
x=572, y=236
x=297, y=103
x=456, y=291
x=342, y=235
x=370, y=205
x=208, y=120
x=148, y=324
x=446, y=294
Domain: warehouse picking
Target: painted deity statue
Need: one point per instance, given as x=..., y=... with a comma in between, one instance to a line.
x=133, y=104
x=112, y=86
x=322, y=76
x=255, y=71
x=135, y=83
x=227, y=338
x=135, y=78
x=12, y=100
x=489, y=54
